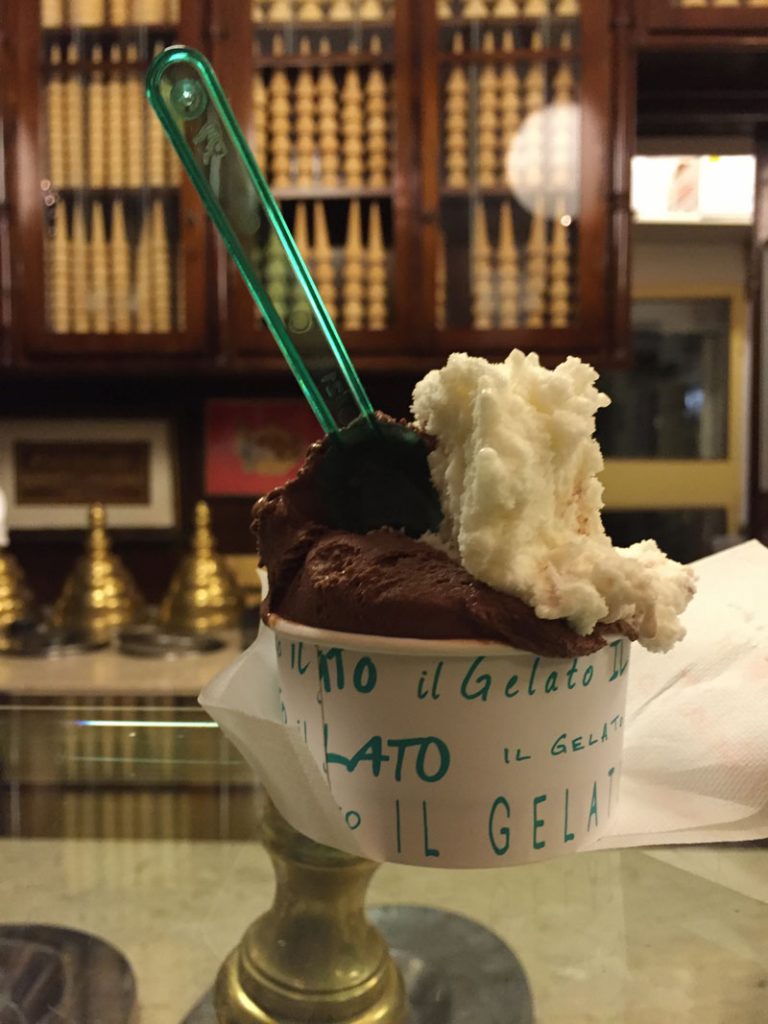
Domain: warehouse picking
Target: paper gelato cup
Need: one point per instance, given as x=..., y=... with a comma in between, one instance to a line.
x=458, y=753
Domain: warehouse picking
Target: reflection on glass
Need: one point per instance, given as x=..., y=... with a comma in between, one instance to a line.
x=511, y=127
x=673, y=402
x=121, y=768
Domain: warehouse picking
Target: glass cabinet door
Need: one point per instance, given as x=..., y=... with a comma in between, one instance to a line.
x=324, y=114
x=674, y=436
x=112, y=257
x=517, y=189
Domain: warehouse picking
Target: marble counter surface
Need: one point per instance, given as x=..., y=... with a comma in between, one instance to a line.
x=107, y=673
x=610, y=938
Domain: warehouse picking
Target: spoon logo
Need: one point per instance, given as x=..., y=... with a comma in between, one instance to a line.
x=210, y=142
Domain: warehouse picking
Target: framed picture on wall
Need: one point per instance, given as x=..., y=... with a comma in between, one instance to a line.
x=51, y=470
x=253, y=445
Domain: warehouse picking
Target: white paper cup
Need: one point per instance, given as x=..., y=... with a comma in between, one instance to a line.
x=453, y=753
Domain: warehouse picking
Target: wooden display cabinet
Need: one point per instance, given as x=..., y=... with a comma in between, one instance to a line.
x=519, y=205
x=454, y=170
x=473, y=257
x=108, y=241
x=326, y=100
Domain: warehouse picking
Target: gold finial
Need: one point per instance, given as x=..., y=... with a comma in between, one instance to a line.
x=16, y=602
x=203, y=542
x=100, y=596
x=98, y=542
x=203, y=594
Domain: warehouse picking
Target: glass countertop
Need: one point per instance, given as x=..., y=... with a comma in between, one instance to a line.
x=135, y=820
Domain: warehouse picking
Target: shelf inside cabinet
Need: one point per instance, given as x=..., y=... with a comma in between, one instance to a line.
x=91, y=34
x=330, y=60
x=470, y=194
x=325, y=26
x=92, y=67
x=107, y=193
x=509, y=56
x=311, y=193
x=511, y=21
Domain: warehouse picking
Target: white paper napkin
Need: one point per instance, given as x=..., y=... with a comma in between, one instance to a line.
x=696, y=743
x=696, y=747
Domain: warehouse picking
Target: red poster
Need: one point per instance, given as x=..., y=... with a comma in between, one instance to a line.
x=253, y=445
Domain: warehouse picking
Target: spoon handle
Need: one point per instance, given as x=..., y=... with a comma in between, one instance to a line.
x=188, y=99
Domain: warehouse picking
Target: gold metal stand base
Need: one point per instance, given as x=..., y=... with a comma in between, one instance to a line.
x=455, y=970
x=235, y=1006
x=313, y=956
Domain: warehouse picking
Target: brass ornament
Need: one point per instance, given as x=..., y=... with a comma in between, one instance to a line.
x=313, y=956
x=16, y=601
x=203, y=594
x=100, y=596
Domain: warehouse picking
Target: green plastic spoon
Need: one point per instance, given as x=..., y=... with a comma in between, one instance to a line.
x=377, y=475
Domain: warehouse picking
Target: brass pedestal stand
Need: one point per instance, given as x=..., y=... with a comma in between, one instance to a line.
x=316, y=957
x=313, y=956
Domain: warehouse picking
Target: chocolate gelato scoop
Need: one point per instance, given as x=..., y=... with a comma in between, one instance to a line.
x=381, y=581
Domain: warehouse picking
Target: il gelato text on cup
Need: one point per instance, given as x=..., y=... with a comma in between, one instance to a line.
x=458, y=754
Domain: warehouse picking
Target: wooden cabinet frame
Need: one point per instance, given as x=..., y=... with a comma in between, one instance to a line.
x=604, y=202
x=232, y=55
x=33, y=338
x=658, y=18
